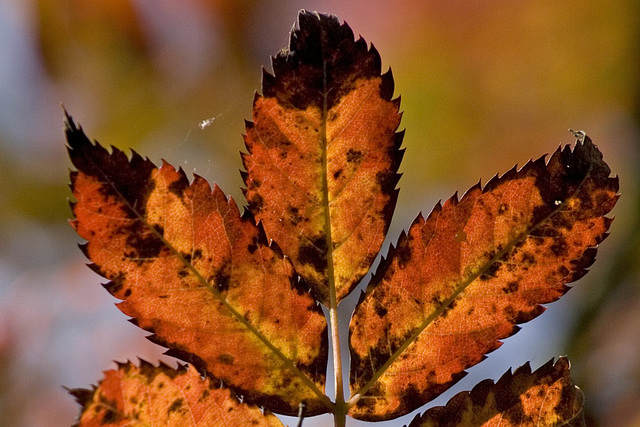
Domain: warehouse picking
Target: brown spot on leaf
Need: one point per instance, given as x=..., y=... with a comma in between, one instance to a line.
x=511, y=287
x=255, y=203
x=314, y=254
x=145, y=243
x=403, y=254
x=490, y=272
x=176, y=405
x=354, y=156
x=294, y=215
x=226, y=359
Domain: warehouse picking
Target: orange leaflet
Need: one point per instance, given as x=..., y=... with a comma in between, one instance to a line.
x=546, y=397
x=199, y=276
x=149, y=395
x=460, y=281
x=323, y=154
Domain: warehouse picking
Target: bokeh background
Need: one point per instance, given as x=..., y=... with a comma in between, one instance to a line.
x=484, y=85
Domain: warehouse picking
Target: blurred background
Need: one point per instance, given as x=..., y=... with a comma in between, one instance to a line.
x=484, y=85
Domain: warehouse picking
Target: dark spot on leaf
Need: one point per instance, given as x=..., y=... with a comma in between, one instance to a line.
x=490, y=272
x=601, y=198
x=294, y=215
x=565, y=407
x=528, y=258
x=110, y=416
x=144, y=242
x=116, y=283
x=448, y=308
x=127, y=293
x=175, y=406
x=386, y=180
x=226, y=359
x=381, y=311
x=561, y=220
x=564, y=271
x=559, y=246
x=314, y=254
x=510, y=313
x=255, y=203
x=412, y=397
x=436, y=300
x=178, y=187
x=403, y=254
x=509, y=405
x=540, y=212
x=222, y=280
x=511, y=287
x=354, y=156
x=502, y=208
x=337, y=174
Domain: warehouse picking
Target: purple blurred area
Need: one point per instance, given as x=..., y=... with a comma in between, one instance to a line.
x=484, y=85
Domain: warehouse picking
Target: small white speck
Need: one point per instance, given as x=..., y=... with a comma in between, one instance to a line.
x=557, y=202
x=207, y=122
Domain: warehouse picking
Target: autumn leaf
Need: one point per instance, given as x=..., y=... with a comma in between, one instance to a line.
x=546, y=397
x=199, y=276
x=323, y=154
x=163, y=396
x=238, y=295
x=460, y=280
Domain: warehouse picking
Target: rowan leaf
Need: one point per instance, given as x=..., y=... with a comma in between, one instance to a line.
x=229, y=292
x=323, y=154
x=546, y=397
x=460, y=280
x=163, y=396
x=200, y=276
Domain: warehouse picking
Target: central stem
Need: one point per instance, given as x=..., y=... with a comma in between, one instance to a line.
x=340, y=408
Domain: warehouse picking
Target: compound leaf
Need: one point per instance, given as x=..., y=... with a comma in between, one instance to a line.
x=546, y=397
x=150, y=396
x=199, y=276
x=323, y=154
x=460, y=280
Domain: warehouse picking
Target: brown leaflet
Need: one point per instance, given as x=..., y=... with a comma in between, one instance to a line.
x=200, y=276
x=546, y=397
x=323, y=154
x=150, y=395
x=460, y=281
